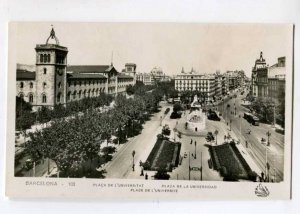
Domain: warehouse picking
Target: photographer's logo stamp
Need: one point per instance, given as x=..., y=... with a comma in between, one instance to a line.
x=262, y=191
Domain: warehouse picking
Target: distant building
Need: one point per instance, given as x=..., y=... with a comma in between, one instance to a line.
x=268, y=81
x=259, y=78
x=193, y=81
x=51, y=81
x=276, y=79
x=156, y=75
x=235, y=79
x=130, y=69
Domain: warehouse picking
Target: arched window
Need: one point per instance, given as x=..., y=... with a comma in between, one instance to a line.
x=44, y=98
x=31, y=85
x=74, y=95
x=48, y=56
x=44, y=84
x=21, y=85
x=89, y=93
x=69, y=96
x=58, y=97
x=84, y=93
x=93, y=92
x=41, y=58
x=79, y=94
x=45, y=70
x=31, y=98
x=21, y=95
x=59, y=85
x=74, y=83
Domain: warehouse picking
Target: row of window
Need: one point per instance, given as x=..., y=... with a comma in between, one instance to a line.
x=22, y=84
x=31, y=85
x=30, y=96
x=69, y=83
x=74, y=83
x=44, y=58
x=198, y=81
x=82, y=94
x=197, y=88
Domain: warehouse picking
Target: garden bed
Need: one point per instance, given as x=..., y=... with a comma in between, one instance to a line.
x=164, y=154
x=228, y=160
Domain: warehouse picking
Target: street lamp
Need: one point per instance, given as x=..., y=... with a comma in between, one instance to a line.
x=175, y=130
x=230, y=124
x=195, y=150
x=216, y=133
x=240, y=116
x=133, y=153
x=268, y=134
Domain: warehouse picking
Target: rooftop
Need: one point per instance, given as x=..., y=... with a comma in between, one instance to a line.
x=85, y=76
x=89, y=68
x=25, y=75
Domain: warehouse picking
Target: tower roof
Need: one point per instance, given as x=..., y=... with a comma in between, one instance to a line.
x=52, y=36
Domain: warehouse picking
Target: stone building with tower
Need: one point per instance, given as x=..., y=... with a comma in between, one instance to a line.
x=259, y=78
x=52, y=81
x=268, y=81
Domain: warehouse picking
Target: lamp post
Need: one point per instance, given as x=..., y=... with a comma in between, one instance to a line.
x=201, y=166
x=195, y=150
x=133, y=153
x=240, y=116
x=216, y=133
x=189, y=166
x=274, y=116
x=230, y=124
x=268, y=135
x=175, y=130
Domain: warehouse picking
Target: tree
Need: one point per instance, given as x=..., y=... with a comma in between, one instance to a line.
x=264, y=108
x=177, y=107
x=161, y=174
x=209, y=137
x=166, y=130
x=130, y=90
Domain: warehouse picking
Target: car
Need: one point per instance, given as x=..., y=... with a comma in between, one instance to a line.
x=28, y=164
x=212, y=115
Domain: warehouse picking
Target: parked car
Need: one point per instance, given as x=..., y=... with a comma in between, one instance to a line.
x=212, y=115
x=28, y=164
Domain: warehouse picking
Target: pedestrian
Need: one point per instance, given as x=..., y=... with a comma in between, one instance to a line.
x=191, y=141
x=246, y=144
x=146, y=176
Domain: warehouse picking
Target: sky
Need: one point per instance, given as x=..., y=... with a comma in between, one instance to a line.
x=171, y=46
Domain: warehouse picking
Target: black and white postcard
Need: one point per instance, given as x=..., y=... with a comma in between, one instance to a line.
x=140, y=111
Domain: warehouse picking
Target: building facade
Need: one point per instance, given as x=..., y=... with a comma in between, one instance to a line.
x=268, y=81
x=52, y=82
x=259, y=78
x=193, y=81
x=156, y=75
x=276, y=79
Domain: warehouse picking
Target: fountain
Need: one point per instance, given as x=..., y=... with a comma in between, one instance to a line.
x=196, y=119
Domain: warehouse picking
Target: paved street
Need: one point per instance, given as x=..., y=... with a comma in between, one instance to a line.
x=258, y=150
x=255, y=154
x=121, y=164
